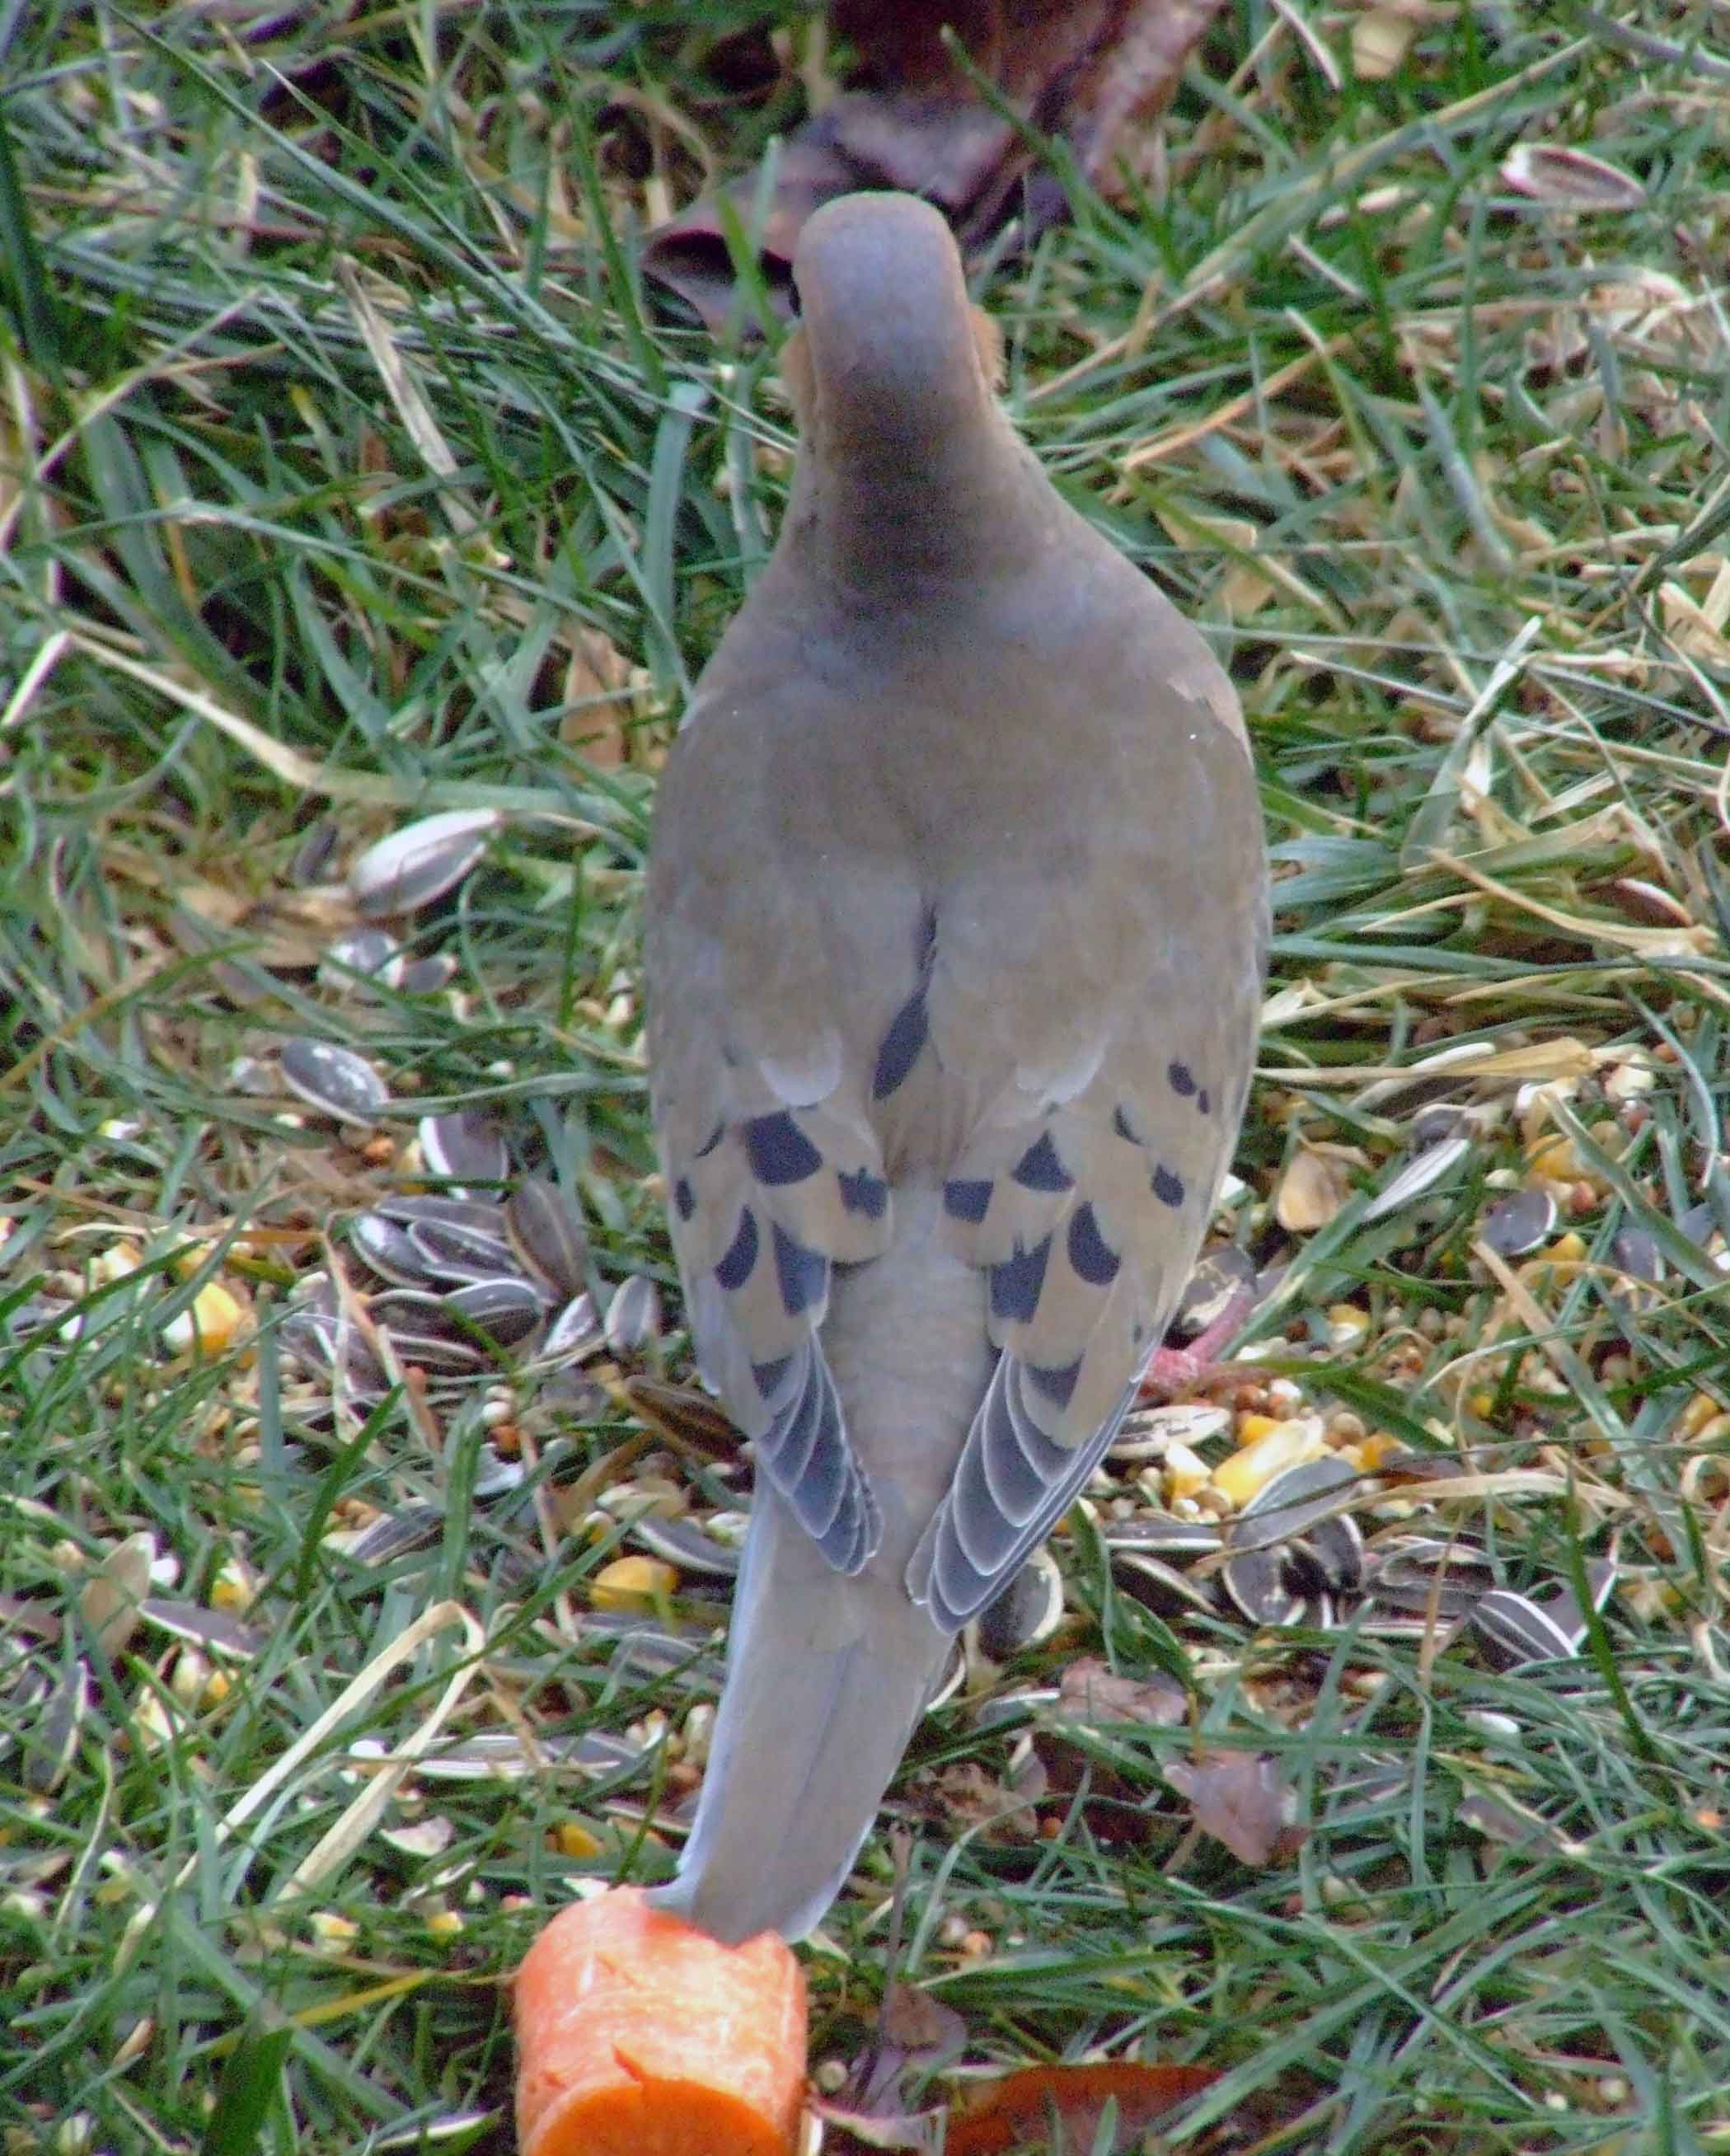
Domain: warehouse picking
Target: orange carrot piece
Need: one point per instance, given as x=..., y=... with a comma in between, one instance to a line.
x=639, y=2035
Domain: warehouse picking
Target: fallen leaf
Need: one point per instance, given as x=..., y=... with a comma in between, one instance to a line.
x=1091, y=1692
x=598, y=706
x=1089, y=71
x=1018, y=2110
x=1242, y=1799
x=1092, y=1696
x=918, y=2026
x=916, y=2035
x=969, y=1799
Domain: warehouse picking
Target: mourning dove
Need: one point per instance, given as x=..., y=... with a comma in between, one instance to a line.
x=956, y=912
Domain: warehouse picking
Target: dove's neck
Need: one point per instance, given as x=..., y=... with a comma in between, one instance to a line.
x=892, y=503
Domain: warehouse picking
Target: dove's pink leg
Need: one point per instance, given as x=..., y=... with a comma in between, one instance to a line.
x=1171, y=1371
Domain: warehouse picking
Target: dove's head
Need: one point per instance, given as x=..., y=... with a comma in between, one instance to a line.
x=908, y=465
x=890, y=354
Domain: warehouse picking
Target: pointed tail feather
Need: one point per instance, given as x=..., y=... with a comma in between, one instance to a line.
x=827, y=1677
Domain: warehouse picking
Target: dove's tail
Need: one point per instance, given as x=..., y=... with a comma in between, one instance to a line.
x=826, y=1677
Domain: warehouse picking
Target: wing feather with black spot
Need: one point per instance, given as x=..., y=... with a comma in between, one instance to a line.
x=774, y=1172
x=1087, y=1183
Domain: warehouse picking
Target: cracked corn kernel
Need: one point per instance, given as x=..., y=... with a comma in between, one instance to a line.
x=1556, y=1160
x=1286, y=1444
x=209, y=1324
x=1186, y=1472
x=633, y=1582
x=154, y=1722
x=115, y=1263
x=189, y=1676
x=234, y=1588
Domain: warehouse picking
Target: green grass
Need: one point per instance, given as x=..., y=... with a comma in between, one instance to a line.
x=345, y=470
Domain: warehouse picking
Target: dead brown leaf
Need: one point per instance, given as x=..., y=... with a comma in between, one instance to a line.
x=1090, y=1690
x=918, y=2026
x=1017, y=2110
x=969, y=1799
x=597, y=710
x=1093, y=1695
x=1242, y=1799
x=1088, y=70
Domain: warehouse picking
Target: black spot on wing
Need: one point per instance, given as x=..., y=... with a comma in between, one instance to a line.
x=1039, y=1167
x=966, y=1198
x=1015, y=1284
x=709, y=1143
x=1168, y=1186
x=1203, y=1102
x=779, y=1150
x=1091, y=1255
x=1181, y=1080
x=802, y=1274
x=901, y=1046
x=1122, y=1126
x=769, y=1377
x=735, y=1268
x=863, y=1193
x=1056, y=1385
x=684, y=1197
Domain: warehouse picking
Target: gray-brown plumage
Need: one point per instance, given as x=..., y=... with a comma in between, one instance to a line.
x=956, y=913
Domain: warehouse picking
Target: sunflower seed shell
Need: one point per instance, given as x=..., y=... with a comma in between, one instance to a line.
x=1027, y=1613
x=421, y=862
x=546, y=1231
x=467, y=1147
x=335, y=1080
